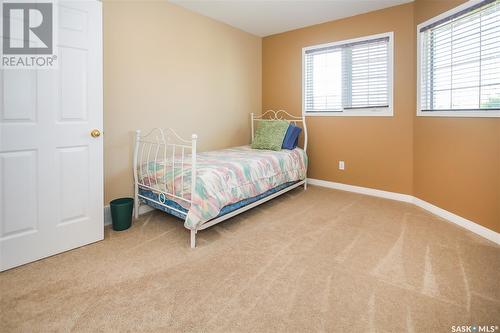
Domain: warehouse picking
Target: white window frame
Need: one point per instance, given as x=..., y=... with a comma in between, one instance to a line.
x=473, y=113
x=365, y=112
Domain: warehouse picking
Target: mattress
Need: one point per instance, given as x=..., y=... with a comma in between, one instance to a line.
x=181, y=212
x=224, y=177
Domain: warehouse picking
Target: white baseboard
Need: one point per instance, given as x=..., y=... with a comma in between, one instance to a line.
x=107, y=215
x=143, y=209
x=462, y=222
x=361, y=190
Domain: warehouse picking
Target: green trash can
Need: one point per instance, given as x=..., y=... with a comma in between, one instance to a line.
x=121, y=213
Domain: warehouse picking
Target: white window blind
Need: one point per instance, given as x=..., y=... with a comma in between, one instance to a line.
x=460, y=61
x=348, y=76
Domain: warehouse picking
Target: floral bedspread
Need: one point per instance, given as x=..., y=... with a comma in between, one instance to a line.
x=224, y=177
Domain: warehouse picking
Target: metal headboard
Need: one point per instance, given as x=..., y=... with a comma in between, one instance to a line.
x=280, y=115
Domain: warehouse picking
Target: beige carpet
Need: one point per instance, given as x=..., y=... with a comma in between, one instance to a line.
x=314, y=261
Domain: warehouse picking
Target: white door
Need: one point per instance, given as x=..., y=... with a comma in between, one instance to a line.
x=51, y=186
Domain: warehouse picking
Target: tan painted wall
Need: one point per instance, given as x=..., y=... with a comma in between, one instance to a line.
x=165, y=66
x=378, y=151
x=453, y=163
x=457, y=160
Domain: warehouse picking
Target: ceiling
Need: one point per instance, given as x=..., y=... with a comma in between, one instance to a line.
x=264, y=18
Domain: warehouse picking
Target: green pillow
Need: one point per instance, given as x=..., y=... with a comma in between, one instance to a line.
x=270, y=134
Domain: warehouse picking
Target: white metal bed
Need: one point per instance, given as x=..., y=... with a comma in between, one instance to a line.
x=163, y=144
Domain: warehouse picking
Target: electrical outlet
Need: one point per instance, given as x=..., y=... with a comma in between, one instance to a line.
x=341, y=165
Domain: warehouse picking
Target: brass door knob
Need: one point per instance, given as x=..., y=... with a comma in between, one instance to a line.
x=95, y=133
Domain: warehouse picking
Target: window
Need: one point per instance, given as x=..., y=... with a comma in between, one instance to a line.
x=349, y=78
x=459, y=62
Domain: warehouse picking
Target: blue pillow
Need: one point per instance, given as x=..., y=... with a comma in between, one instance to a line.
x=291, y=137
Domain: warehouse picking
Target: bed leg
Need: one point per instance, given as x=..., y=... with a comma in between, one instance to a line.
x=193, y=239
x=136, y=207
x=305, y=184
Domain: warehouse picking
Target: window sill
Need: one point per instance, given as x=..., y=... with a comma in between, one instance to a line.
x=364, y=113
x=459, y=114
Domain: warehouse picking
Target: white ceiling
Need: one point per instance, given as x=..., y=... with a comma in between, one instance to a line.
x=264, y=18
